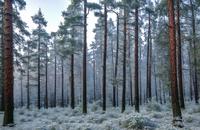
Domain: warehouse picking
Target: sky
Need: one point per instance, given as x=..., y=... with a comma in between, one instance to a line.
x=52, y=11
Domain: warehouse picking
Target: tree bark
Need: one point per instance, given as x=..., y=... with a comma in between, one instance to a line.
x=173, y=72
x=28, y=77
x=8, y=63
x=137, y=100
x=46, y=76
x=55, y=78
x=140, y=74
x=104, y=57
x=38, y=105
x=2, y=63
x=190, y=72
x=94, y=79
x=155, y=81
x=180, y=77
x=160, y=90
x=21, y=84
x=130, y=70
x=72, y=82
x=62, y=83
x=85, y=60
x=124, y=64
x=196, y=92
x=149, y=53
x=116, y=63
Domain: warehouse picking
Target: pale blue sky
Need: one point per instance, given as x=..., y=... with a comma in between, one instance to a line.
x=51, y=10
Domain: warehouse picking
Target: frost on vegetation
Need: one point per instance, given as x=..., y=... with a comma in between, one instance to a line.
x=154, y=106
x=138, y=123
x=196, y=109
x=95, y=106
x=189, y=119
x=157, y=115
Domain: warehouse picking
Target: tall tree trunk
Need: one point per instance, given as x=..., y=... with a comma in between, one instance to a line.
x=8, y=63
x=155, y=81
x=196, y=92
x=149, y=50
x=2, y=64
x=137, y=100
x=160, y=91
x=94, y=79
x=180, y=77
x=28, y=76
x=164, y=98
x=85, y=60
x=124, y=64
x=62, y=83
x=190, y=72
x=72, y=82
x=46, y=76
x=173, y=75
x=21, y=84
x=104, y=57
x=116, y=63
x=130, y=70
x=55, y=79
x=140, y=74
x=38, y=105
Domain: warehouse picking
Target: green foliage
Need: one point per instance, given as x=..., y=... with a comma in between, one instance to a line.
x=39, y=19
x=21, y=4
x=93, y=6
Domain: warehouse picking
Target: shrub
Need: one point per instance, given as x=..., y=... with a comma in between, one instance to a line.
x=138, y=123
x=154, y=106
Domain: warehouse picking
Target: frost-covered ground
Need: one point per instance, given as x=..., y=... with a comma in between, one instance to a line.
x=152, y=117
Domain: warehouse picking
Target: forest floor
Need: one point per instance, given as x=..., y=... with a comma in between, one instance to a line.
x=152, y=116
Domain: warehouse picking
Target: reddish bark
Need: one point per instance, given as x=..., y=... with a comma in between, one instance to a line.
x=8, y=63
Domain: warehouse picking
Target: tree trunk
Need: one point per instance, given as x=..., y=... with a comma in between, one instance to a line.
x=85, y=60
x=124, y=64
x=2, y=65
x=177, y=121
x=72, y=81
x=8, y=63
x=149, y=51
x=62, y=83
x=39, y=70
x=130, y=70
x=180, y=77
x=155, y=81
x=140, y=74
x=196, y=92
x=94, y=79
x=28, y=76
x=116, y=64
x=104, y=57
x=160, y=90
x=46, y=80
x=137, y=101
x=55, y=79
x=190, y=73
x=21, y=84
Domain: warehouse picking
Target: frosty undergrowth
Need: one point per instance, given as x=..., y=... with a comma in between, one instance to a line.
x=152, y=116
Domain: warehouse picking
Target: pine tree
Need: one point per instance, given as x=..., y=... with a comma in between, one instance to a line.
x=136, y=59
x=85, y=59
x=41, y=22
x=173, y=74
x=8, y=63
x=180, y=78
